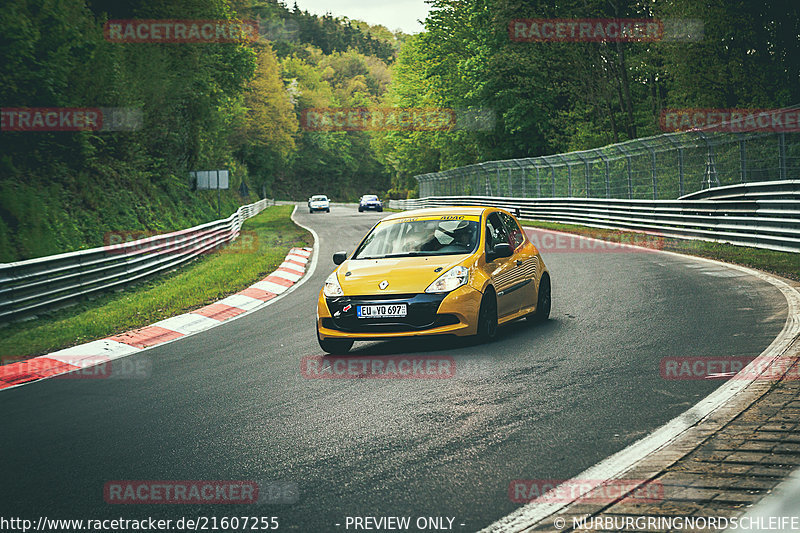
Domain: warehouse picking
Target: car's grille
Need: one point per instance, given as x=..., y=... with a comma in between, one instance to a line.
x=421, y=313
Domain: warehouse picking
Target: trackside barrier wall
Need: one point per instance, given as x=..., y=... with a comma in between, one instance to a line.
x=762, y=215
x=35, y=285
x=665, y=166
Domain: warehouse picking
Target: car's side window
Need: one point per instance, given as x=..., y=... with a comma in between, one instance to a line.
x=495, y=232
x=517, y=237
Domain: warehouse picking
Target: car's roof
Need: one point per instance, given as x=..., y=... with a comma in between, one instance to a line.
x=433, y=211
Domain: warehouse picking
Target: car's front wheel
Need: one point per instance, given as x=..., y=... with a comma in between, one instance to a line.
x=487, y=317
x=334, y=346
x=543, y=301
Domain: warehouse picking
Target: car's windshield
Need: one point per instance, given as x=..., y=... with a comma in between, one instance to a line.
x=318, y=198
x=368, y=198
x=421, y=236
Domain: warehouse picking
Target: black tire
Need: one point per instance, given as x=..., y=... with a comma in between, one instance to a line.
x=328, y=210
x=335, y=346
x=360, y=209
x=487, y=317
x=380, y=210
x=544, y=300
x=311, y=211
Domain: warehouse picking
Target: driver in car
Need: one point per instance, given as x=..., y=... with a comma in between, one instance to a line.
x=463, y=235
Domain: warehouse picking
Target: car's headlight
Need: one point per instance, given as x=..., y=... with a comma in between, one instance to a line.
x=332, y=288
x=450, y=280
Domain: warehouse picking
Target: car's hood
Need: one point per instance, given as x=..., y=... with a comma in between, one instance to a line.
x=405, y=275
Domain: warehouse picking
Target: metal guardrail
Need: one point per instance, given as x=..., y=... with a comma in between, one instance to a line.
x=762, y=215
x=664, y=166
x=35, y=285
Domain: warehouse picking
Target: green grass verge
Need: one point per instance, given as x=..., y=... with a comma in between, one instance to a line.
x=269, y=236
x=786, y=264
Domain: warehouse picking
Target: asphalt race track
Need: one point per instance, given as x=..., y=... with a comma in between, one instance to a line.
x=541, y=402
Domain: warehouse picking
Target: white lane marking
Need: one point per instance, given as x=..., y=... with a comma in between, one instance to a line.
x=270, y=287
x=293, y=267
x=187, y=323
x=721, y=274
x=615, y=466
x=298, y=258
x=241, y=301
x=314, y=251
x=101, y=347
x=287, y=275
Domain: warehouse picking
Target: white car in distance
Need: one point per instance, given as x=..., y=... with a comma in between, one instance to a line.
x=319, y=202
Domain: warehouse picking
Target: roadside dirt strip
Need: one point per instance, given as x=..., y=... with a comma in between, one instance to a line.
x=105, y=350
x=703, y=471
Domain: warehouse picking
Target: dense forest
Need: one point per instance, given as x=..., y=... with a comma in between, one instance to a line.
x=204, y=106
x=239, y=105
x=552, y=97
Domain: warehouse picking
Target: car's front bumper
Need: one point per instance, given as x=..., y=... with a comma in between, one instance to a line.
x=372, y=206
x=454, y=313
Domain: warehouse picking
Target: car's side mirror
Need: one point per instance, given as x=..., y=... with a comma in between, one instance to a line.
x=501, y=249
x=341, y=257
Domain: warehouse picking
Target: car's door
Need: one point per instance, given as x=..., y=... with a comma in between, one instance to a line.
x=501, y=270
x=525, y=261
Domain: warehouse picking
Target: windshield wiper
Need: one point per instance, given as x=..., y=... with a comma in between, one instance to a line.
x=407, y=254
x=402, y=254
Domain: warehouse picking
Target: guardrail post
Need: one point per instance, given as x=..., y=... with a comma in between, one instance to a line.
x=569, y=175
x=743, y=161
x=569, y=180
x=522, y=169
x=524, y=183
x=552, y=175
x=782, y=154
x=588, y=178
x=652, y=167
x=630, y=179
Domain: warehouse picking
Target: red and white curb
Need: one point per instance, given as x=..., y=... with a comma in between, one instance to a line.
x=100, y=351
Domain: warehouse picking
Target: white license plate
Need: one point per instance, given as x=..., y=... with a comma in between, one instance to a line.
x=381, y=311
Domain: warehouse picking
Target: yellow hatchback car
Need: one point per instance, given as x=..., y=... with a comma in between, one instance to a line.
x=440, y=271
